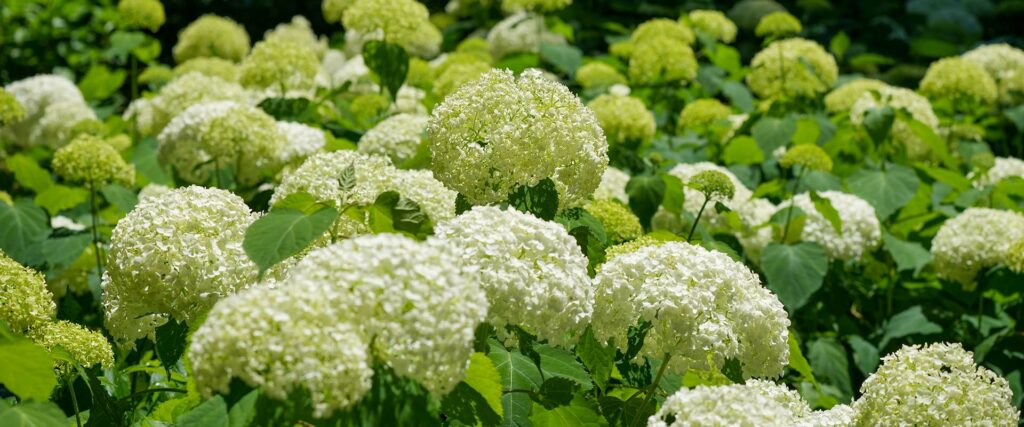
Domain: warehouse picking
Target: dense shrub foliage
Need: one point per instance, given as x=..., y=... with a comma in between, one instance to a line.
x=511, y=212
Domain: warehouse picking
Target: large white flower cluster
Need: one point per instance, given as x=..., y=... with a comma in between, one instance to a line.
x=520, y=32
x=976, y=239
x=936, y=384
x=501, y=132
x=703, y=308
x=1002, y=168
x=918, y=106
x=218, y=135
x=1005, y=64
x=533, y=271
x=301, y=141
x=396, y=137
x=150, y=115
x=53, y=106
x=861, y=231
x=175, y=255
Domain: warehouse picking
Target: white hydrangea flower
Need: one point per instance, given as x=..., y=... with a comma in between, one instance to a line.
x=703, y=307
x=756, y=403
x=150, y=116
x=613, y=185
x=976, y=239
x=861, y=234
x=332, y=61
x=152, y=190
x=896, y=97
x=936, y=384
x=1005, y=64
x=175, y=255
x=355, y=72
x=1004, y=167
x=404, y=297
x=301, y=141
x=409, y=101
x=533, y=271
x=272, y=340
x=396, y=137
x=53, y=105
x=500, y=132
x=520, y=32
x=755, y=236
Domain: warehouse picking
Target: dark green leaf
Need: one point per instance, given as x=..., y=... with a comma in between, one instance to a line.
x=557, y=392
x=32, y=414
x=567, y=416
x=243, y=412
x=772, y=133
x=22, y=229
x=887, y=191
x=467, y=406
x=389, y=62
x=828, y=360
x=300, y=110
x=825, y=208
x=517, y=371
x=555, y=362
x=60, y=252
x=211, y=413
x=739, y=96
x=171, y=339
x=878, y=122
x=566, y=58
x=541, y=200
x=123, y=198
x=597, y=357
x=646, y=193
x=28, y=173
x=517, y=407
x=908, y=322
x=794, y=272
x=865, y=354
x=283, y=233
x=908, y=255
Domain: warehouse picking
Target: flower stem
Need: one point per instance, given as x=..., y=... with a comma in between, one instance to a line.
x=649, y=393
x=74, y=401
x=789, y=211
x=696, y=221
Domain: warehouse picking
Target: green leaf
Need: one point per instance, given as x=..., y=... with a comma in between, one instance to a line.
x=674, y=194
x=794, y=272
x=865, y=354
x=555, y=362
x=878, y=122
x=738, y=94
x=517, y=371
x=389, y=62
x=211, y=413
x=392, y=212
x=22, y=229
x=797, y=361
x=951, y=178
x=1016, y=116
x=828, y=360
x=567, y=416
x=928, y=136
x=123, y=198
x=825, y=208
x=742, y=150
x=865, y=60
x=28, y=173
x=60, y=252
x=588, y=232
x=908, y=255
x=807, y=131
x=122, y=43
x=907, y=322
x=300, y=201
x=645, y=195
x=466, y=406
x=598, y=358
x=28, y=368
x=483, y=377
x=300, y=110
x=886, y=190
x=57, y=198
x=171, y=339
x=541, y=200
x=146, y=163
x=839, y=44
x=771, y=133
x=32, y=414
x=517, y=407
x=556, y=392
x=283, y=233
x=105, y=411
x=933, y=48
x=565, y=57
x=100, y=82
x=243, y=412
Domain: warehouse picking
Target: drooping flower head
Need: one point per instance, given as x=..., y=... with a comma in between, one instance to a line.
x=91, y=160
x=174, y=256
x=976, y=239
x=141, y=14
x=624, y=119
x=212, y=35
x=792, y=68
x=842, y=98
x=52, y=105
x=280, y=65
x=935, y=384
x=661, y=59
x=702, y=306
x=87, y=348
x=501, y=132
x=598, y=74
x=861, y=231
x=713, y=23
x=918, y=107
x=397, y=137
x=24, y=300
x=778, y=24
x=532, y=270
x=1005, y=64
x=955, y=79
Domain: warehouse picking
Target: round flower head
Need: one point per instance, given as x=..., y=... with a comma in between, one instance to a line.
x=624, y=119
x=541, y=6
x=842, y=98
x=778, y=24
x=955, y=79
x=151, y=115
x=755, y=403
x=209, y=66
x=694, y=198
x=613, y=185
x=702, y=306
x=273, y=341
x=807, y=156
x=175, y=255
x=334, y=9
x=91, y=160
x=660, y=59
x=1005, y=64
x=87, y=348
x=298, y=31
x=403, y=22
x=976, y=239
x=52, y=106
x=397, y=137
x=620, y=224
x=936, y=384
x=520, y=32
x=598, y=75
x=521, y=131
x=663, y=27
x=280, y=65
x=702, y=113
x=861, y=232
x=24, y=300
x=792, y=68
x=11, y=110
x=409, y=299
x=532, y=270
x=714, y=24
x=212, y=35
x=713, y=184
x=457, y=75
x=141, y=14
x=918, y=106
x=1000, y=169
x=223, y=134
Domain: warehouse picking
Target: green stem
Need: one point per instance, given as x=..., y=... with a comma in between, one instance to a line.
x=789, y=211
x=158, y=390
x=649, y=393
x=696, y=221
x=74, y=402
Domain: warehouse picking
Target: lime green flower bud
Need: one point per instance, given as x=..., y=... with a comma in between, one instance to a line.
x=1015, y=257
x=598, y=75
x=714, y=24
x=91, y=160
x=212, y=35
x=334, y=9
x=792, y=68
x=156, y=75
x=701, y=113
x=662, y=60
x=624, y=119
x=25, y=303
x=662, y=27
x=141, y=14
x=280, y=65
x=957, y=78
x=840, y=99
x=808, y=156
x=87, y=348
x=778, y=24
x=209, y=66
x=541, y=6
x=632, y=246
x=1005, y=64
x=476, y=46
x=403, y=22
x=456, y=75
x=620, y=224
x=713, y=184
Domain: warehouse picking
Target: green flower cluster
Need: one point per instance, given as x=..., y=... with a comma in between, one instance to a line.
x=808, y=156
x=90, y=160
x=792, y=68
x=778, y=24
x=141, y=14
x=212, y=35
x=714, y=24
x=404, y=22
x=620, y=224
x=624, y=119
x=958, y=79
x=280, y=65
